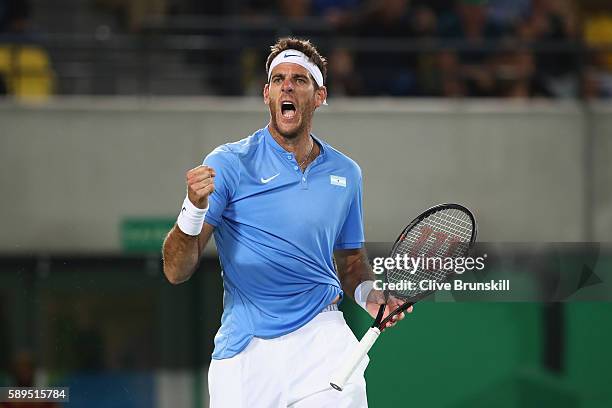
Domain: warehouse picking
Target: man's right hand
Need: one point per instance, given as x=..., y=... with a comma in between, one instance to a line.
x=200, y=184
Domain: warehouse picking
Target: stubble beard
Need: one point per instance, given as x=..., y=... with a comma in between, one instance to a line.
x=291, y=135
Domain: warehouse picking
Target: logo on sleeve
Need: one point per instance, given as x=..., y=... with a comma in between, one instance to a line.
x=337, y=180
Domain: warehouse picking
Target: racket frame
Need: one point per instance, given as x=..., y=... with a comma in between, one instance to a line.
x=342, y=375
x=413, y=299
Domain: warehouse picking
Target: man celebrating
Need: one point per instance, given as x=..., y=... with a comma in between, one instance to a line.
x=282, y=205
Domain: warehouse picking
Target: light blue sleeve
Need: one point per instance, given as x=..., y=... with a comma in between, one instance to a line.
x=227, y=170
x=351, y=235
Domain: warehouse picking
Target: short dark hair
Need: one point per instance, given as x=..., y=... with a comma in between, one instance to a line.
x=305, y=46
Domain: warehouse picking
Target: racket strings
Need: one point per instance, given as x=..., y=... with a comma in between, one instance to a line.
x=448, y=234
x=452, y=222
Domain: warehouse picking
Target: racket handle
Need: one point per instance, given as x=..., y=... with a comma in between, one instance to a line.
x=349, y=366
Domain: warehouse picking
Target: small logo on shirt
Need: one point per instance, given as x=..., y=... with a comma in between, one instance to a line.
x=337, y=180
x=269, y=179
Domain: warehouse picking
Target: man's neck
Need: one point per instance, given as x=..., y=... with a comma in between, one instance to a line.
x=295, y=145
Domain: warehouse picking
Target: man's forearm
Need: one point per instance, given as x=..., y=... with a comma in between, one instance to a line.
x=180, y=255
x=353, y=268
x=181, y=249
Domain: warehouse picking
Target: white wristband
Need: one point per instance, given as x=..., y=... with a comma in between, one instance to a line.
x=362, y=291
x=191, y=218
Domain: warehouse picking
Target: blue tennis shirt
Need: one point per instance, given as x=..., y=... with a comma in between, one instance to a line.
x=276, y=230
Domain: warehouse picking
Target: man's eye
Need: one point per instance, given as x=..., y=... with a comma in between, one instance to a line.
x=276, y=80
x=301, y=81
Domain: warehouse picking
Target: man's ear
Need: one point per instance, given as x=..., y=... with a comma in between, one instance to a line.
x=320, y=96
x=266, y=94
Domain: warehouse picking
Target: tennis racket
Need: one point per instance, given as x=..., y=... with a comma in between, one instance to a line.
x=444, y=231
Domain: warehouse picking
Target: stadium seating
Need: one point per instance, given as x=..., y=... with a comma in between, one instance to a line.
x=27, y=71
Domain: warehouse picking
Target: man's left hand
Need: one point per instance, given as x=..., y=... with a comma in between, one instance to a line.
x=377, y=298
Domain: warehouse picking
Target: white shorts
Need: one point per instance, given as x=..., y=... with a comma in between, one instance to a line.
x=290, y=371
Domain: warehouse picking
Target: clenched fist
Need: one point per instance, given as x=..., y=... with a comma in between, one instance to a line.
x=200, y=184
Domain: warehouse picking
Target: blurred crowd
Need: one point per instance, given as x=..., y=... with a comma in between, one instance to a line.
x=430, y=48
x=477, y=48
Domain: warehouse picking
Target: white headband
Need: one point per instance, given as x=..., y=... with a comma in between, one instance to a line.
x=297, y=57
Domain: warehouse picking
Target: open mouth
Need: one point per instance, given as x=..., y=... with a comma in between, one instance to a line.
x=288, y=110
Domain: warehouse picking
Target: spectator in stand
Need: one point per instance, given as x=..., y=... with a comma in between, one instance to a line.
x=394, y=72
x=294, y=9
x=343, y=79
x=341, y=15
x=472, y=26
x=507, y=14
x=447, y=74
x=514, y=66
x=390, y=72
x=515, y=74
x=596, y=85
x=134, y=13
x=434, y=69
x=553, y=21
x=597, y=81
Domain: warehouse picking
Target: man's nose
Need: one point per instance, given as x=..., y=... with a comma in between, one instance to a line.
x=287, y=85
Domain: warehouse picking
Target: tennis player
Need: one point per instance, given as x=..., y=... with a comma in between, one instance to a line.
x=281, y=204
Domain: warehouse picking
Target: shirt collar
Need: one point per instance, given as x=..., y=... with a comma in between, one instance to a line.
x=272, y=142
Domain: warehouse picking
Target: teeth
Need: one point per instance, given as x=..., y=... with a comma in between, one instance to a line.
x=288, y=110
